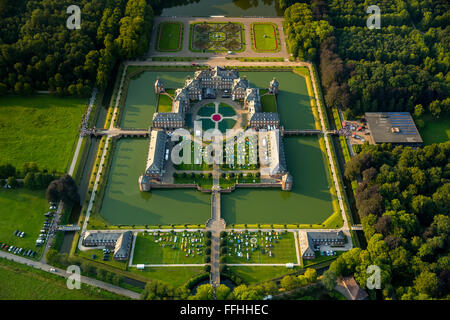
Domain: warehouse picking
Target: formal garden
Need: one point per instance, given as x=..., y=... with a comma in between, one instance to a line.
x=217, y=37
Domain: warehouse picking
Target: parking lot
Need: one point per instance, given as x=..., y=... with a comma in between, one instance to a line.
x=356, y=132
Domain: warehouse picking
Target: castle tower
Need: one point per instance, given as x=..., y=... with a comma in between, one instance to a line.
x=286, y=182
x=273, y=87
x=144, y=183
x=159, y=86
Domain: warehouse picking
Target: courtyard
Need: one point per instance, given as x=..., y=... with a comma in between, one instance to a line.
x=265, y=37
x=41, y=129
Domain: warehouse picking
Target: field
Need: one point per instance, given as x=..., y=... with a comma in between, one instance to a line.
x=170, y=35
x=40, y=129
x=257, y=274
x=278, y=248
x=174, y=276
x=265, y=37
x=19, y=282
x=435, y=130
x=23, y=210
x=216, y=37
x=168, y=248
x=164, y=103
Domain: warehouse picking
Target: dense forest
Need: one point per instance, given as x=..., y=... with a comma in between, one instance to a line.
x=396, y=68
x=38, y=52
x=403, y=194
x=403, y=200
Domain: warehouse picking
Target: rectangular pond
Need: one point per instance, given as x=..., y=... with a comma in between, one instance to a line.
x=124, y=203
x=309, y=202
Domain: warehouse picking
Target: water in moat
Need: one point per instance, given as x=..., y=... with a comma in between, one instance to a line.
x=235, y=8
x=308, y=203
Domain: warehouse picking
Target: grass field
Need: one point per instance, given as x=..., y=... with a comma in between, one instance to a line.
x=19, y=282
x=97, y=256
x=265, y=37
x=278, y=248
x=22, y=210
x=435, y=130
x=164, y=103
x=174, y=276
x=170, y=35
x=257, y=274
x=165, y=249
x=40, y=129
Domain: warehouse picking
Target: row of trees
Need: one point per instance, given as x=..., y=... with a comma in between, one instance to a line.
x=403, y=201
x=38, y=52
x=33, y=177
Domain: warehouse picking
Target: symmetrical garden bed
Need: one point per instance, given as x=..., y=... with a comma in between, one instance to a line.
x=265, y=37
x=170, y=37
x=216, y=37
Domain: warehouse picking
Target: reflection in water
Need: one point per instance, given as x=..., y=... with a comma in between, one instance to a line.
x=146, y=195
x=236, y=8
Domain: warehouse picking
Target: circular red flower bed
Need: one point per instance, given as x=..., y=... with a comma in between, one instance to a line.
x=216, y=117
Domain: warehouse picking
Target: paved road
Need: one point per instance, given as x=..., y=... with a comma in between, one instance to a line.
x=62, y=273
x=248, y=52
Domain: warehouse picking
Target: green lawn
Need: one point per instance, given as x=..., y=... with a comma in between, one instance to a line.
x=435, y=130
x=265, y=37
x=168, y=248
x=226, y=110
x=23, y=210
x=19, y=282
x=164, y=103
x=281, y=246
x=170, y=36
x=252, y=275
x=97, y=256
x=207, y=110
x=174, y=276
x=41, y=129
x=269, y=103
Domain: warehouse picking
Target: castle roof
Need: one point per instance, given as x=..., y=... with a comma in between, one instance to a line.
x=155, y=159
